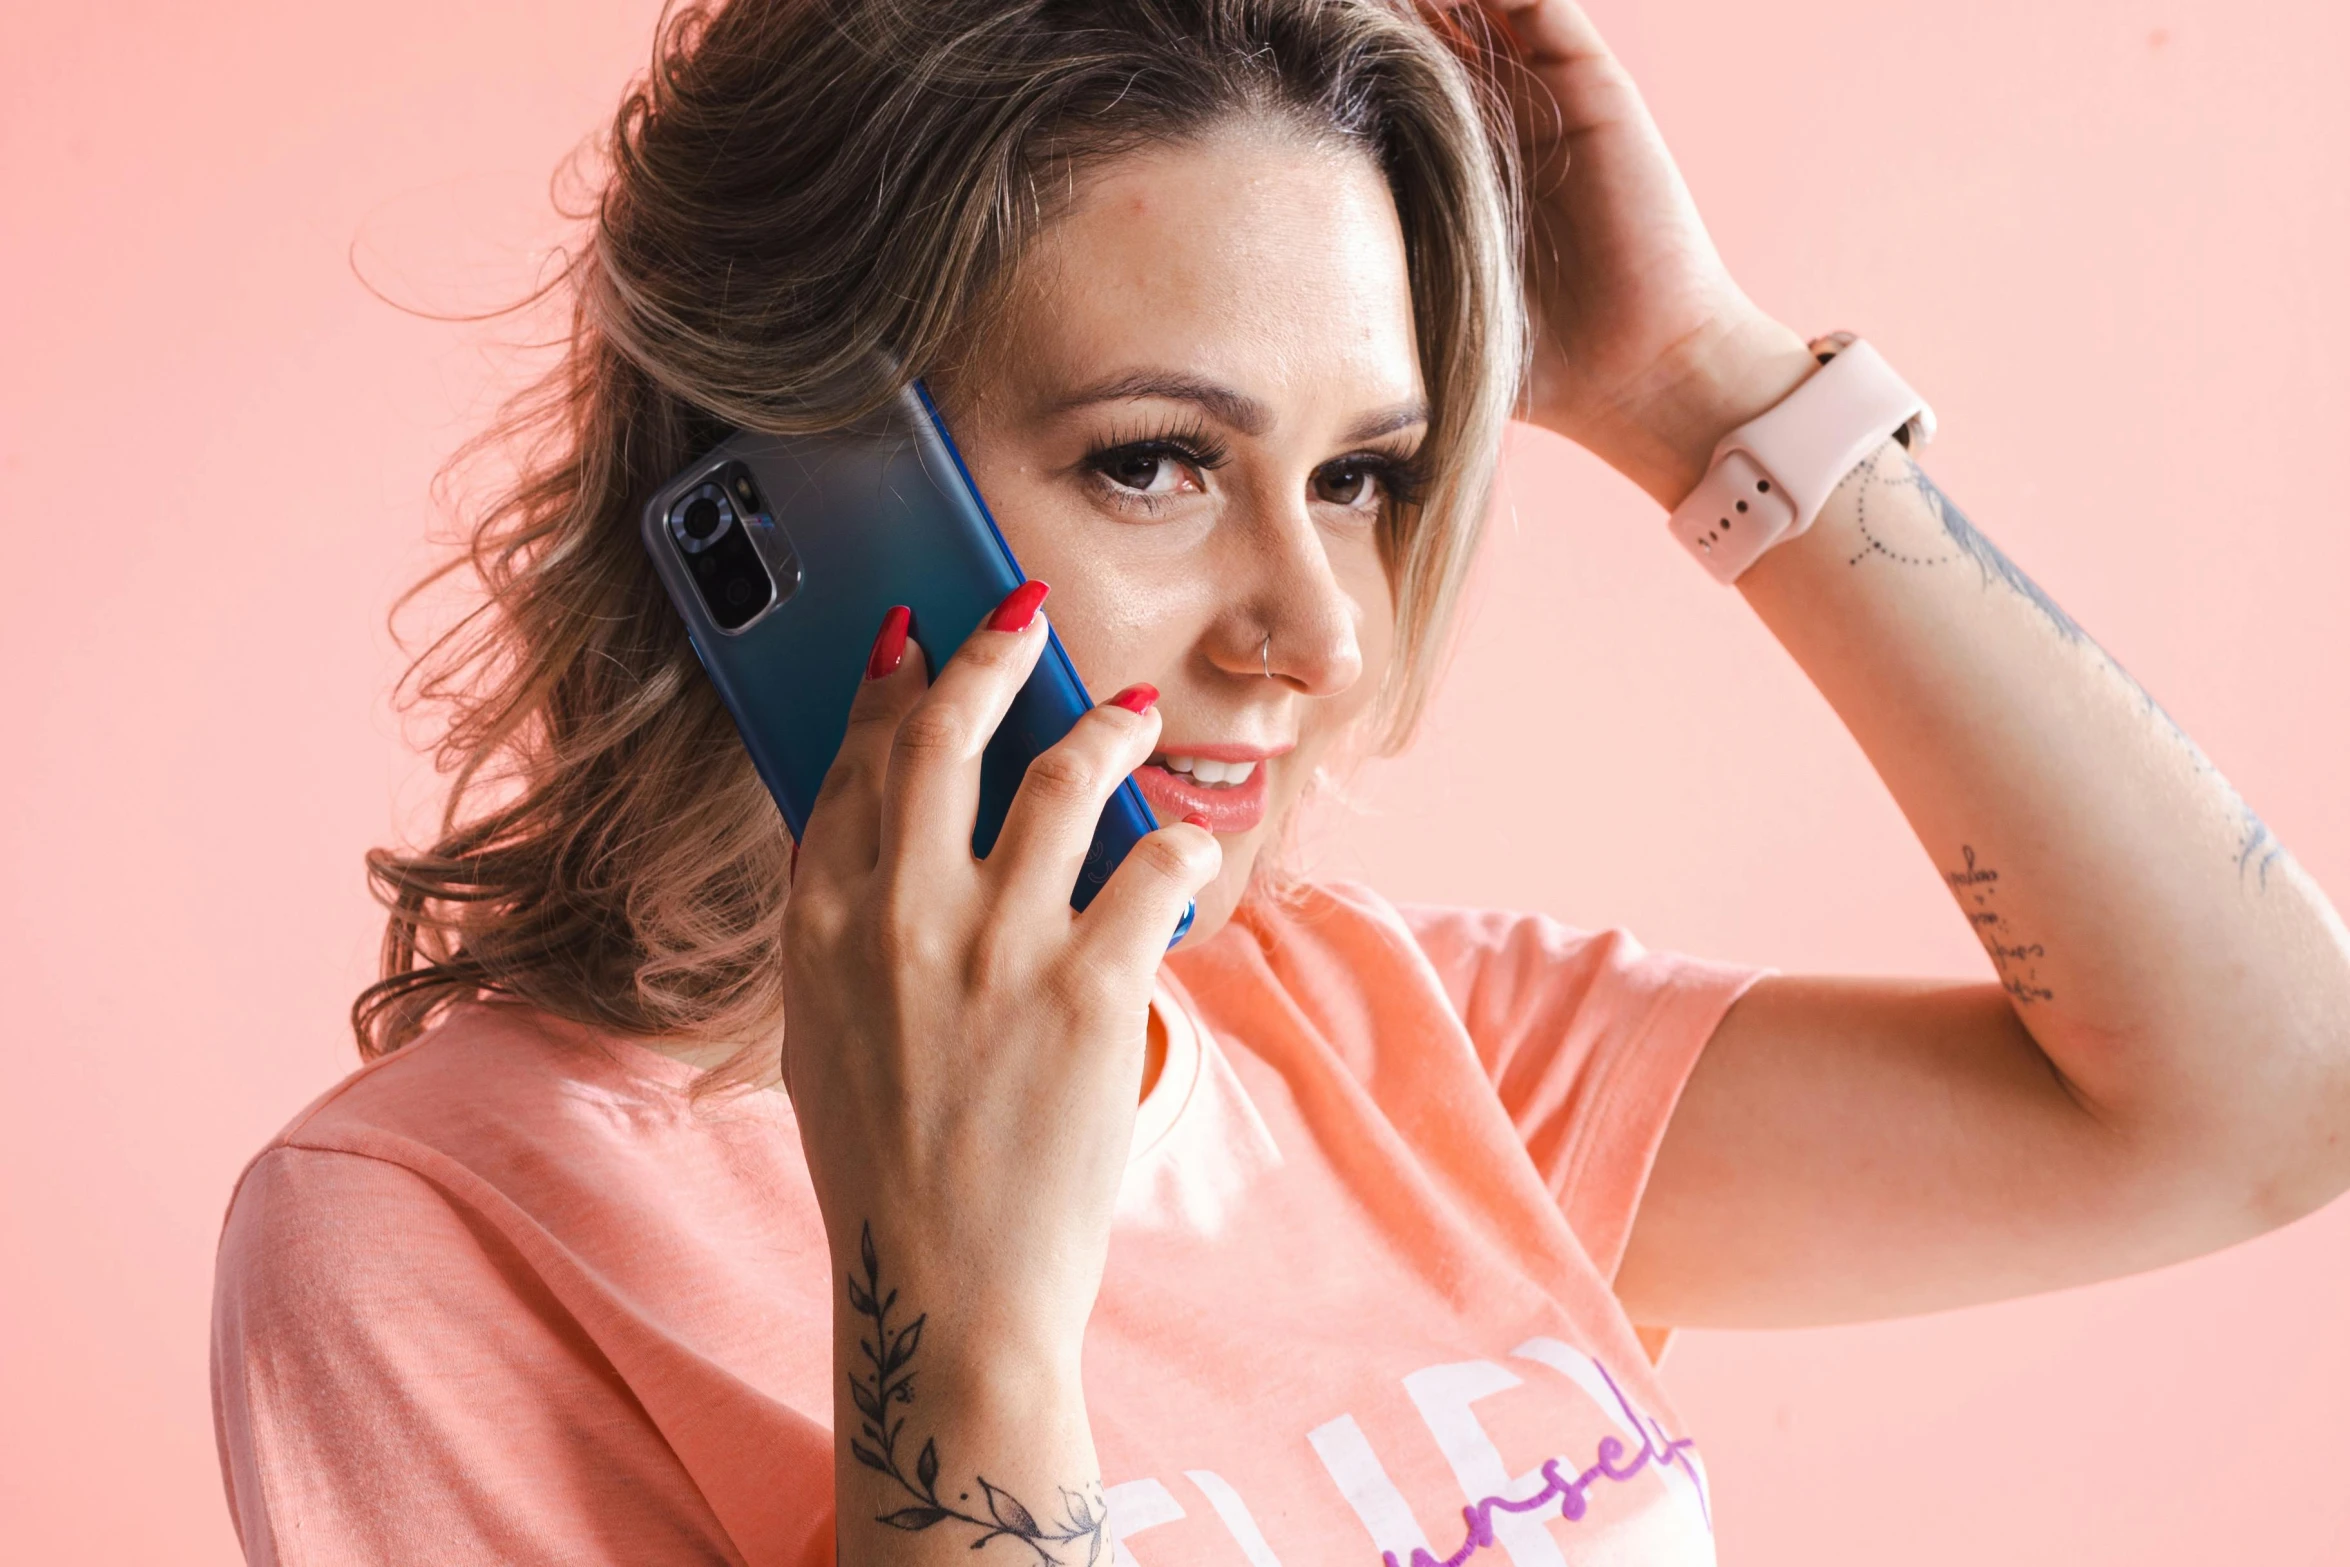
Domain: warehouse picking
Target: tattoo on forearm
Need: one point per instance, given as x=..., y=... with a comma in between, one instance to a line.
x=2259, y=849
x=1959, y=540
x=887, y=1380
x=2016, y=960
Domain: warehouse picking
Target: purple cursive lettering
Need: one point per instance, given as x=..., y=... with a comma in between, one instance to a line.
x=1569, y=1494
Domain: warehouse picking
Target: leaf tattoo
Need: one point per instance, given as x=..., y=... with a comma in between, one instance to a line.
x=887, y=1379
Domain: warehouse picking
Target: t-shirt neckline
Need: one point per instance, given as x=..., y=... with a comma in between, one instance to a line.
x=1179, y=1074
x=1154, y=1117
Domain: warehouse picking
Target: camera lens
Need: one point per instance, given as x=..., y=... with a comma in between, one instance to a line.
x=714, y=526
x=701, y=518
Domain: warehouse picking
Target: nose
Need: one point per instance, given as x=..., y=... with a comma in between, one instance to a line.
x=1296, y=622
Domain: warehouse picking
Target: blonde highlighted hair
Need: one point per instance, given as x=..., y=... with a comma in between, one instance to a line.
x=807, y=202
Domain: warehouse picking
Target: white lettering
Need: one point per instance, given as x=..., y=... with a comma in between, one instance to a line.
x=1347, y=1454
x=1136, y=1505
x=1443, y=1395
x=1236, y=1516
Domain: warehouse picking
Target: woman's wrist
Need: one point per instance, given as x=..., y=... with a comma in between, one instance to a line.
x=948, y=1432
x=1666, y=429
x=988, y=1338
x=963, y=1371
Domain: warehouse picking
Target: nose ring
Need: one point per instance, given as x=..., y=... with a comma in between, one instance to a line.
x=1267, y=655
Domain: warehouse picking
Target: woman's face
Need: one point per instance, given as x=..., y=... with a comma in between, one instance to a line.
x=1188, y=416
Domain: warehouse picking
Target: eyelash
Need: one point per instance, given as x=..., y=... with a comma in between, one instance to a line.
x=1402, y=479
x=1188, y=445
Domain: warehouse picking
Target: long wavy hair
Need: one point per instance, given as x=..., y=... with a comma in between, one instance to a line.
x=804, y=204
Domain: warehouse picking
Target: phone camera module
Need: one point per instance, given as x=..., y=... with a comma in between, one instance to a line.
x=703, y=517
x=729, y=547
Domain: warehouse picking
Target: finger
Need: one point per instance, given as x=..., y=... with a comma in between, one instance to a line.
x=1050, y=825
x=1572, y=86
x=1549, y=32
x=1135, y=914
x=843, y=832
x=930, y=797
x=1548, y=64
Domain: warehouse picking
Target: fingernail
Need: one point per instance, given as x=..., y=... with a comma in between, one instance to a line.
x=1018, y=607
x=1136, y=698
x=889, y=648
x=1199, y=821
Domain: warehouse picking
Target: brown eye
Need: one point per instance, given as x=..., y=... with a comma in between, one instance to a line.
x=1346, y=484
x=1147, y=468
x=1143, y=471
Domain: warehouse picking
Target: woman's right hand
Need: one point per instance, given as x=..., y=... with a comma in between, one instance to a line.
x=963, y=1051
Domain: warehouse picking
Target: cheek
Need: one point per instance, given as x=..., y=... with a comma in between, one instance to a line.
x=1365, y=582
x=1124, y=603
x=1330, y=725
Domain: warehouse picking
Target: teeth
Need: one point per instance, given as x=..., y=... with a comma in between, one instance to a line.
x=1201, y=770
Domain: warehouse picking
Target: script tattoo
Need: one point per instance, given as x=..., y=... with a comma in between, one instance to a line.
x=2017, y=960
x=1959, y=540
x=887, y=1380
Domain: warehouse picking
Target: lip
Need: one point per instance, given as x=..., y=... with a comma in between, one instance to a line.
x=1229, y=808
x=1228, y=753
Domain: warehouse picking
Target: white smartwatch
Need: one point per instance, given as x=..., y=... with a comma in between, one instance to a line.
x=1770, y=476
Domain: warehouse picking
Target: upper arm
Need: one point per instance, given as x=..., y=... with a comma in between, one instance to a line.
x=391, y=1383
x=1850, y=1149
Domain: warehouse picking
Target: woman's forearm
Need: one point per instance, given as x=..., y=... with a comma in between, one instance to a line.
x=951, y=1430
x=2186, y=980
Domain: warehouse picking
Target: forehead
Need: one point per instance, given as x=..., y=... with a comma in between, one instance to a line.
x=1255, y=257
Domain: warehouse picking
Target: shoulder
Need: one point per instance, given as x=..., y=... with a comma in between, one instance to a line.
x=1512, y=978
x=380, y=1165
x=1350, y=912
x=1496, y=956
x=474, y=1070
x=415, y=1195
x=489, y=1087
x=307, y=1226
x=424, y=1145
x=1463, y=949
x=397, y=1377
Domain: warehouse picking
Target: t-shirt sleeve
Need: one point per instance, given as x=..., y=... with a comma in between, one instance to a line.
x=1587, y=1039
x=392, y=1384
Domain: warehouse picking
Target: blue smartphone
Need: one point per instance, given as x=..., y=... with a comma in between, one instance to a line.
x=784, y=552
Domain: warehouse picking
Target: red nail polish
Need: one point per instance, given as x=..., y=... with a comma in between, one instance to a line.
x=889, y=648
x=1018, y=607
x=1136, y=698
x=1199, y=821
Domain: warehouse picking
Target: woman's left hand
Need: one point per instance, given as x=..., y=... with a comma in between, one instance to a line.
x=1645, y=350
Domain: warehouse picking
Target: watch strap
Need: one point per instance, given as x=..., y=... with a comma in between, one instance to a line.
x=1770, y=476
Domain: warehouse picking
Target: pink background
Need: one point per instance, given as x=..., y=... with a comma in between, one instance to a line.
x=2107, y=237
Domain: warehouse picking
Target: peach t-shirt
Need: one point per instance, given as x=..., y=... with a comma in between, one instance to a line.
x=509, y=1296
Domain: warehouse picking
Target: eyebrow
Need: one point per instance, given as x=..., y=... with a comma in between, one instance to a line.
x=1234, y=408
x=1389, y=420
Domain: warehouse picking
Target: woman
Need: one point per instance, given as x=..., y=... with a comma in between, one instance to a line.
x=1323, y=1238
